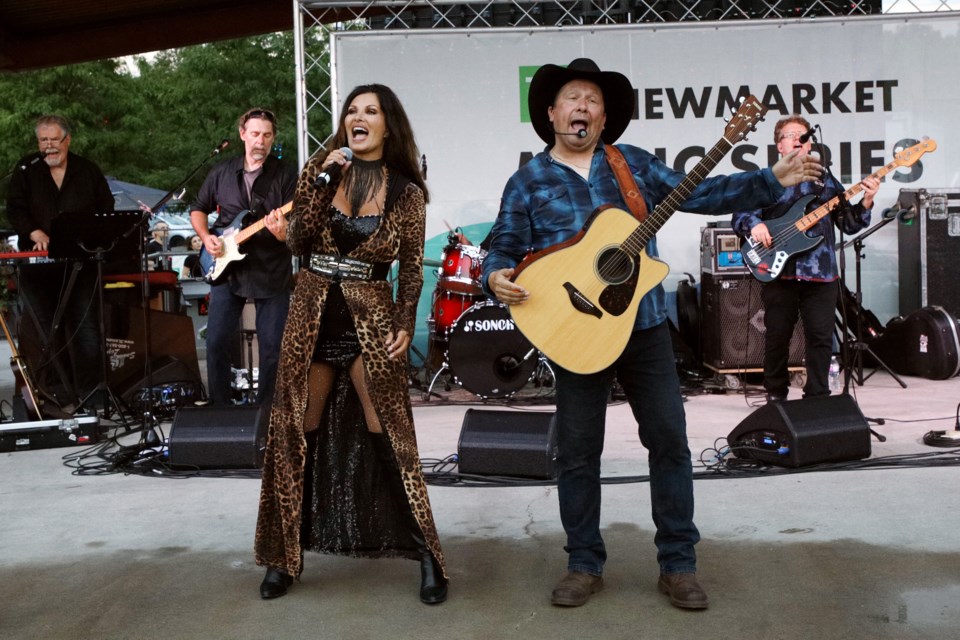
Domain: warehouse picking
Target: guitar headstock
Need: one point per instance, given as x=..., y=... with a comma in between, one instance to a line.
x=750, y=112
x=906, y=157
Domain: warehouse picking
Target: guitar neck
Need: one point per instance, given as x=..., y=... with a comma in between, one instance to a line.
x=814, y=216
x=637, y=240
x=245, y=234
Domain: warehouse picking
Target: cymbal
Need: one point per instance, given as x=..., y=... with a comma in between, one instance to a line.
x=427, y=262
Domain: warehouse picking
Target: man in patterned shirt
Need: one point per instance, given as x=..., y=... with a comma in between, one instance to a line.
x=577, y=111
x=807, y=286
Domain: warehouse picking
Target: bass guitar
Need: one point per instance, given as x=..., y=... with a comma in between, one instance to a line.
x=22, y=384
x=585, y=292
x=789, y=230
x=231, y=238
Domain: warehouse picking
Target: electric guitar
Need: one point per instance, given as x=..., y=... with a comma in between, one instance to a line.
x=22, y=384
x=585, y=292
x=789, y=230
x=231, y=238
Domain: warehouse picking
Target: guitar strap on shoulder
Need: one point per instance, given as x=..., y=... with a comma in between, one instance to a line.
x=628, y=185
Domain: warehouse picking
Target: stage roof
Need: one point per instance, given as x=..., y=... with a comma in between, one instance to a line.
x=47, y=33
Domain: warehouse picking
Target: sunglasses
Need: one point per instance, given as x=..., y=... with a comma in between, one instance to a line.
x=259, y=113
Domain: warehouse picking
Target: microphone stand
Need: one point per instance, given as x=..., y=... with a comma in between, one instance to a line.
x=148, y=419
x=859, y=345
x=843, y=212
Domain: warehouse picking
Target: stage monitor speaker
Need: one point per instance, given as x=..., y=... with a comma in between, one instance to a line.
x=508, y=443
x=797, y=433
x=219, y=437
x=731, y=324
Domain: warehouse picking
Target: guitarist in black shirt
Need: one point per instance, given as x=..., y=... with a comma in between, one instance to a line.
x=806, y=287
x=254, y=186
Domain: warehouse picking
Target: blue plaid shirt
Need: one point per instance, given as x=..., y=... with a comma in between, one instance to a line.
x=546, y=202
x=820, y=263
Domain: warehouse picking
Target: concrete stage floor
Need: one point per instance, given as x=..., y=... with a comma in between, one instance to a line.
x=863, y=554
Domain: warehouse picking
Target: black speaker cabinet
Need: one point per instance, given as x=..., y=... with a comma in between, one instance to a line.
x=928, y=240
x=508, y=443
x=731, y=324
x=219, y=437
x=797, y=433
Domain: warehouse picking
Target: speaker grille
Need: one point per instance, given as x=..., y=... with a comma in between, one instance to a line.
x=508, y=443
x=219, y=437
x=732, y=327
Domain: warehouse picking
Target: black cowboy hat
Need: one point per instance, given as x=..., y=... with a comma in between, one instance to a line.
x=618, y=99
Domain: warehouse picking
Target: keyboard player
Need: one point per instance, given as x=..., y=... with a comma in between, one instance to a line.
x=48, y=184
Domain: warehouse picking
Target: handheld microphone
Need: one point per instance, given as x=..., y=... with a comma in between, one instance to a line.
x=333, y=171
x=580, y=134
x=808, y=134
x=220, y=147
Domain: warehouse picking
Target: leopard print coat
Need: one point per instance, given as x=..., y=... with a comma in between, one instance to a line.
x=375, y=313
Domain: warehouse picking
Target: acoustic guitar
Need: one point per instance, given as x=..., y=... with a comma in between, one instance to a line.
x=585, y=292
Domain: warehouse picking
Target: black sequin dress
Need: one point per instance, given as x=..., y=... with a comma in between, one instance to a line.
x=347, y=508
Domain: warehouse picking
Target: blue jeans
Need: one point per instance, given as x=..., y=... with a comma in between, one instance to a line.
x=223, y=326
x=648, y=374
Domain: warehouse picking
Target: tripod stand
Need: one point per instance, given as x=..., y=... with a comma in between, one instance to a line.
x=103, y=390
x=79, y=237
x=858, y=346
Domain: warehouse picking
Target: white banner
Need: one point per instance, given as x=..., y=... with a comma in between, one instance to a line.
x=873, y=85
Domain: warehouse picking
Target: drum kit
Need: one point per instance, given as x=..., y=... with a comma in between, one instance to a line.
x=481, y=348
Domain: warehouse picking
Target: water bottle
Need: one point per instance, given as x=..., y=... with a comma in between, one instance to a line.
x=834, y=375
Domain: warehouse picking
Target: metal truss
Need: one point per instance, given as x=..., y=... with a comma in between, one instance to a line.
x=315, y=21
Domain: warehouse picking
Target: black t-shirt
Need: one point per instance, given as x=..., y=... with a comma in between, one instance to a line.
x=266, y=271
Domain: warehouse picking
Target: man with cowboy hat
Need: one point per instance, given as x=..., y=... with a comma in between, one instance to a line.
x=579, y=111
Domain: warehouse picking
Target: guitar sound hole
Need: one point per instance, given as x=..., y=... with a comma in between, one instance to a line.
x=614, y=266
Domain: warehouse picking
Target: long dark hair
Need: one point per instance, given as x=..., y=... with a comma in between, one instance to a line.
x=400, y=151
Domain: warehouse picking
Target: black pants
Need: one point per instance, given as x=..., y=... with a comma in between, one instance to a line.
x=816, y=304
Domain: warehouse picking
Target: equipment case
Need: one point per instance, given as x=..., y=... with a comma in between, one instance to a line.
x=923, y=344
x=928, y=241
x=44, y=434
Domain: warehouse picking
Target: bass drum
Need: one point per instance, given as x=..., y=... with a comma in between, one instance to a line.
x=488, y=355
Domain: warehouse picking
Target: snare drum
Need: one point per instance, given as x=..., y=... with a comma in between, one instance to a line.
x=487, y=354
x=461, y=269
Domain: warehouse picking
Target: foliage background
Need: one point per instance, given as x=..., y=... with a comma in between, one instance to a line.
x=154, y=123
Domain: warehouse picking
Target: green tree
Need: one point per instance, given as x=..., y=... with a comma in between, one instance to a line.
x=155, y=125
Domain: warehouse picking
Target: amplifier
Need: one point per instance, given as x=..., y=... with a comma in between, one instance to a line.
x=720, y=250
x=928, y=239
x=45, y=434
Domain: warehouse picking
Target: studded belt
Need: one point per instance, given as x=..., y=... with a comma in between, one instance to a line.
x=339, y=268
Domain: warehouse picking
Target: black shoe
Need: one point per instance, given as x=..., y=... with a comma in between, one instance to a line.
x=433, y=586
x=274, y=584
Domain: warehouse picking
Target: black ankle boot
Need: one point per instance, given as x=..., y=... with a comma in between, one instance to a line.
x=274, y=584
x=433, y=586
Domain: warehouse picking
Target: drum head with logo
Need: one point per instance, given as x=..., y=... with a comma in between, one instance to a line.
x=487, y=354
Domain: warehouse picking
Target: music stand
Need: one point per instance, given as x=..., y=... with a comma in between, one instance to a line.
x=82, y=236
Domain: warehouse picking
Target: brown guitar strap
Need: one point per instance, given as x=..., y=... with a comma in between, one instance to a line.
x=628, y=186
